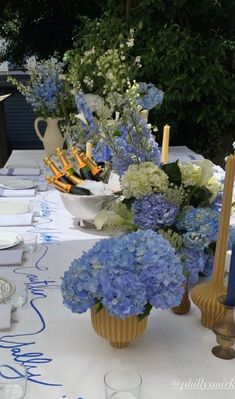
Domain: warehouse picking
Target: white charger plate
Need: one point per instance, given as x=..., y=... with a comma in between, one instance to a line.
x=13, y=208
x=17, y=184
x=6, y=288
x=9, y=239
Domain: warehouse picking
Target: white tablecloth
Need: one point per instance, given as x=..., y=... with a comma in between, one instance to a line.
x=66, y=359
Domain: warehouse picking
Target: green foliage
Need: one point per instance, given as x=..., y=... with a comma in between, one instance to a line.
x=185, y=48
x=41, y=27
x=146, y=312
x=173, y=172
x=200, y=196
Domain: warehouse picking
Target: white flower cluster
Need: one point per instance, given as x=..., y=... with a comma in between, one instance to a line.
x=144, y=179
x=200, y=175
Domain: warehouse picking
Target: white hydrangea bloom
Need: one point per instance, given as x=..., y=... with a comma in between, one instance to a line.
x=214, y=186
x=190, y=174
x=144, y=179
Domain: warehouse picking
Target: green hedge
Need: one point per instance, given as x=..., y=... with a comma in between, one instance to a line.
x=186, y=49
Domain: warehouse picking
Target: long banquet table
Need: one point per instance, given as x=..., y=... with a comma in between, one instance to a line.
x=64, y=356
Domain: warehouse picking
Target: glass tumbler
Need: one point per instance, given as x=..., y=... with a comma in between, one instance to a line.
x=122, y=384
x=13, y=381
x=18, y=300
x=30, y=242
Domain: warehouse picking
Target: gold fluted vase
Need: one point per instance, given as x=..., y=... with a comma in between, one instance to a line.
x=205, y=296
x=119, y=332
x=185, y=304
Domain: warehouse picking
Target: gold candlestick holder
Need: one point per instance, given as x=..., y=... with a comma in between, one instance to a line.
x=205, y=295
x=225, y=332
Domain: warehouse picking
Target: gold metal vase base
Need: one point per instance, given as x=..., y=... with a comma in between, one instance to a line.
x=205, y=297
x=119, y=332
x=225, y=332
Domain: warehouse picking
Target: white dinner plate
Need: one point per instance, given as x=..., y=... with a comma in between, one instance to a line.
x=22, y=165
x=9, y=239
x=17, y=184
x=13, y=208
x=6, y=288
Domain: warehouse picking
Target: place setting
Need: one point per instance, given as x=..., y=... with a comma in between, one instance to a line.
x=19, y=170
x=15, y=246
x=15, y=213
x=17, y=187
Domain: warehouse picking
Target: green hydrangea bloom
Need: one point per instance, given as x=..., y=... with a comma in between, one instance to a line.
x=144, y=179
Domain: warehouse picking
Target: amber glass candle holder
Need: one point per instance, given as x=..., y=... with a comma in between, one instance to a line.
x=225, y=332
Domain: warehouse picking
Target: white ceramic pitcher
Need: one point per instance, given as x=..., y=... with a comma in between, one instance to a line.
x=52, y=137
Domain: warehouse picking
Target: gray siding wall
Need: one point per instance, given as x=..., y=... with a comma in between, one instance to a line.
x=19, y=123
x=19, y=117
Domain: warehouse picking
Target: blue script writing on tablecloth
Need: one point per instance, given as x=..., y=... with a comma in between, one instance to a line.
x=22, y=351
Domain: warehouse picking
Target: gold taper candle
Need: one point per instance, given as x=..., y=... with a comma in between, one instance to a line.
x=89, y=149
x=205, y=295
x=165, y=144
x=225, y=214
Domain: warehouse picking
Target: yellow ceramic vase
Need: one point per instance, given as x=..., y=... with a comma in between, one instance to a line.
x=118, y=331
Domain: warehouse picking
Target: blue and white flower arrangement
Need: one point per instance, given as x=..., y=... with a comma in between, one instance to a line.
x=110, y=106
x=180, y=201
x=46, y=90
x=124, y=140
x=128, y=275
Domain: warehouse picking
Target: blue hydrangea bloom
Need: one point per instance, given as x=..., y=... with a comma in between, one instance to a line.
x=150, y=96
x=231, y=236
x=208, y=266
x=217, y=203
x=203, y=222
x=125, y=273
x=194, y=262
x=154, y=211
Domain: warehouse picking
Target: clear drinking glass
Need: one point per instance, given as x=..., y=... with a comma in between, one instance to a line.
x=13, y=381
x=30, y=242
x=18, y=299
x=122, y=383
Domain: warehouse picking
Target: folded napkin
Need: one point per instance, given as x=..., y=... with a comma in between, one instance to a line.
x=11, y=256
x=5, y=192
x=5, y=316
x=20, y=171
x=23, y=219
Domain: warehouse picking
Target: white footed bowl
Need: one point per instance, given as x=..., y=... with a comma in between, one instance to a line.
x=84, y=207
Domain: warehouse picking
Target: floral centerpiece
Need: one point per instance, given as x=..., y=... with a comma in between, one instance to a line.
x=181, y=201
x=46, y=89
x=169, y=213
x=127, y=275
x=120, y=279
x=109, y=106
x=49, y=94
